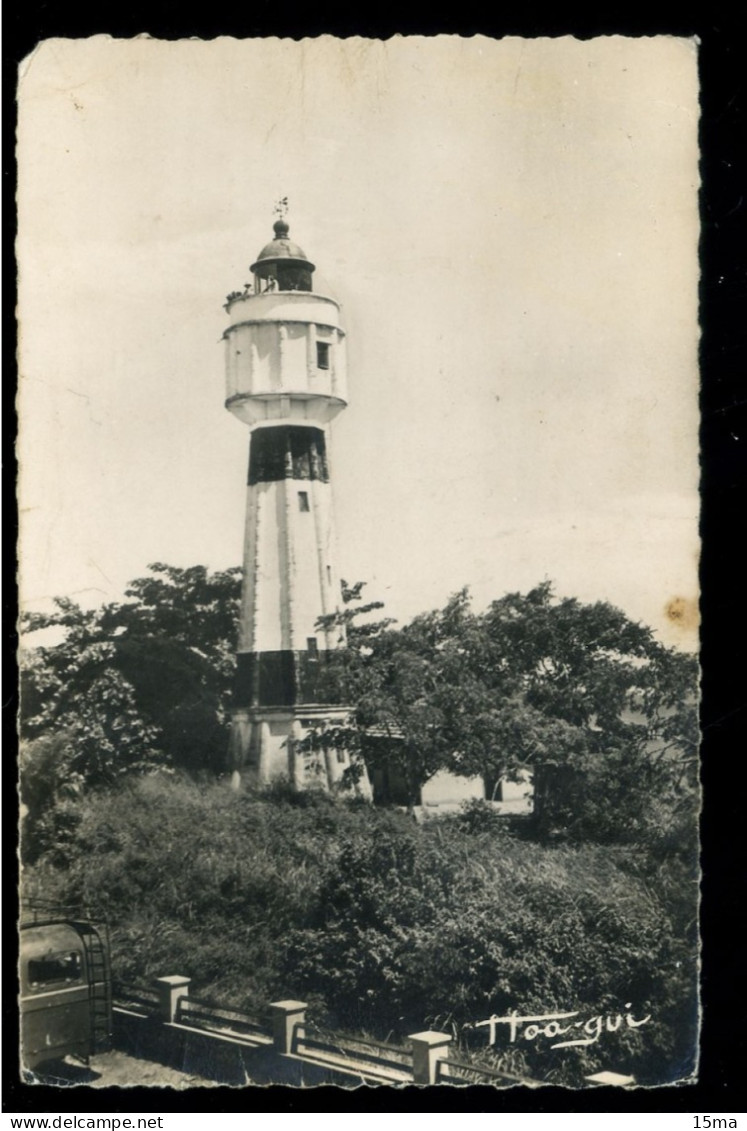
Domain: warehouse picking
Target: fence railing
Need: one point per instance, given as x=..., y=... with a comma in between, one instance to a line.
x=287, y=1034
x=214, y=1016
x=356, y=1053
x=450, y=1071
x=143, y=999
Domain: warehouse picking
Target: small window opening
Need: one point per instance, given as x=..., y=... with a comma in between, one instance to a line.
x=340, y=756
x=329, y=575
x=54, y=968
x=303, y=501
x=322, y=355
x=311, y=645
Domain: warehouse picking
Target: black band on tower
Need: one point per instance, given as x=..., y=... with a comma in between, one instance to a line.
x=287, y=452
x=281, y=679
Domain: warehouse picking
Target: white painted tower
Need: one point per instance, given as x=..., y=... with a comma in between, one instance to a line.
x=286, y=379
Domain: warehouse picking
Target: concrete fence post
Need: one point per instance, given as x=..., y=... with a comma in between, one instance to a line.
x=427, y=1049
x=286, y=1016
x=170, y=989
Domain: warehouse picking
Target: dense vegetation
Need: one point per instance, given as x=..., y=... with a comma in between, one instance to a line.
x=381, y=924
x=532, y=681
x=125, y=689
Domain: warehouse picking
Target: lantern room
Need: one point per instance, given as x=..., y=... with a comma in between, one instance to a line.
x=281, y=264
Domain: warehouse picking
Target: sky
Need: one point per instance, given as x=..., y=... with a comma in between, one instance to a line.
x=512, y=229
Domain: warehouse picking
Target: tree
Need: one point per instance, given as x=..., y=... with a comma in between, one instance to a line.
x=138, y=683
x=393, y=679
x=532, y=683
x=75, y=693
x=425, y=699
x=594, y=693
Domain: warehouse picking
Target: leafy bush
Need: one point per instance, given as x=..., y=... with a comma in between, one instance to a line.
x=426, y=924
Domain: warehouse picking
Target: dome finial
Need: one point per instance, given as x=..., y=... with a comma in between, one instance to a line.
x=280, y=227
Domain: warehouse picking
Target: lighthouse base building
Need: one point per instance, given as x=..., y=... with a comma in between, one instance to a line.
x=286, y=379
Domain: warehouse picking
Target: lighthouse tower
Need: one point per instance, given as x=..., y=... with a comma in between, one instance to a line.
x=286, y=379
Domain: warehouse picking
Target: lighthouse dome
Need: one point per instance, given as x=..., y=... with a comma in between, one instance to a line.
x=284, y=261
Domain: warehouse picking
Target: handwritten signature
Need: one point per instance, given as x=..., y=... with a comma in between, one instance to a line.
x=548, y=1025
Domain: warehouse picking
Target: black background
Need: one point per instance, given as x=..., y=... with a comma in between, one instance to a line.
x=723, y=65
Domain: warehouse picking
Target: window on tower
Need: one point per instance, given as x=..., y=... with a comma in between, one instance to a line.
x=303, y=500
x=322, y=355
x=287, y=452
x=311, y=646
